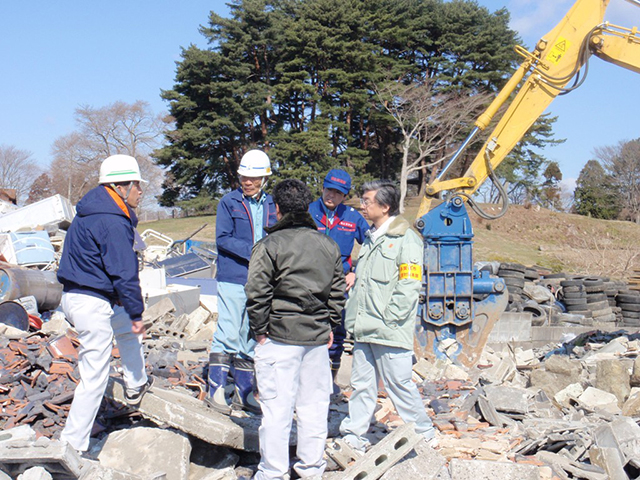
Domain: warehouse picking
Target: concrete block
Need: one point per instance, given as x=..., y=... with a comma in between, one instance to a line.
x=4, y=476
x=158, y=310
x=594, y=398
x=35, y=473
x=189, y=415
x=454, y=372
x=575, y=469
x=508, y=399
x=58, y=458
x=196, y=320
x=95, y=471
x=622, y=434
x=145, y=451
x=386, y=453
x=609, y=460
x=424, y=463
x=487, y=470
x=511, y=327
x=613, y=377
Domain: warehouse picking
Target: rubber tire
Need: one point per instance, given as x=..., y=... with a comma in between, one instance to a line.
x=573, y=289
x=629, y=307
x=575, y=301
x=625, y=298
x=571, y=283
x=518, y=267
x=510, y=274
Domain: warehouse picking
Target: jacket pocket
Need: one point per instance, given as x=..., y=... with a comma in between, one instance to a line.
x=385, y=268
x=266, y=377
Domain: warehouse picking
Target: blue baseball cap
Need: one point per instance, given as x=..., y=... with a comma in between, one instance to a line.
x=338, y=180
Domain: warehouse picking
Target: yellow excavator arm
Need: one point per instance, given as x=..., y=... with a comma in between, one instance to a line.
x=555, y=61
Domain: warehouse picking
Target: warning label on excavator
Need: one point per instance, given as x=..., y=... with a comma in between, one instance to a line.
x=558, y=50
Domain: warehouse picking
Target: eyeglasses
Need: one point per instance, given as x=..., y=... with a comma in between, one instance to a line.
x=365, y=202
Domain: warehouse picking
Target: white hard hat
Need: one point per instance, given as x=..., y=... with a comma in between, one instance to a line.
x=119, y=168
x=255, y=163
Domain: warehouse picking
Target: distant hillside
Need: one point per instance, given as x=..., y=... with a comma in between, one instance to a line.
x=557, y=241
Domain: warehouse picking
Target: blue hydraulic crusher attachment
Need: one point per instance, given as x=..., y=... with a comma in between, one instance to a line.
x=460, y=304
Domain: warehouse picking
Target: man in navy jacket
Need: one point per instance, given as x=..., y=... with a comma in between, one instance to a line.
x=101, y=292
x=344, y=225
x=241, y=217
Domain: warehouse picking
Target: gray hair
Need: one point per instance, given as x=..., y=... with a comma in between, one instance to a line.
x=386, y=194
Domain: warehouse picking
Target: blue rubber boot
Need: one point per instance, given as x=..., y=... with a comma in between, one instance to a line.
x=244, y=377
x=219, y=393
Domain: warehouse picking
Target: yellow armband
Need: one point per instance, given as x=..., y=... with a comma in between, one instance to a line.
x=410, y=270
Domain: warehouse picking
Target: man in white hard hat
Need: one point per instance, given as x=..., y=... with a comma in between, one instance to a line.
x=101, y=292
x=241, y=218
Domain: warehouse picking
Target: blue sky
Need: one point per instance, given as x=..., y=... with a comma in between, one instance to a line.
x=59, y=55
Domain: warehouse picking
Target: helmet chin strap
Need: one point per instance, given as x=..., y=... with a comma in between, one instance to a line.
x=124, y=197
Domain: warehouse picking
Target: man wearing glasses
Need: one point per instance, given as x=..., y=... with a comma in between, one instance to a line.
x=380, y=314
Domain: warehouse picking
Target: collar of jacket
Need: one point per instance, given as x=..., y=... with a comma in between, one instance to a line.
x=292, y=220
x=398, y=227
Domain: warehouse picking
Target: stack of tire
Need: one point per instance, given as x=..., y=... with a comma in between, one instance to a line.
x=611, y=289
x=629, y=303
x=575, y=299
x=531, y=274
x=597, y=300
x=513, y=276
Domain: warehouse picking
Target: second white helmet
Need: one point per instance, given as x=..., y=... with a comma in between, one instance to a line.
x=255, y=163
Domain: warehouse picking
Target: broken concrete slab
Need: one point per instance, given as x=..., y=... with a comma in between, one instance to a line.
x=59, y=458
x=189, y=415
x=594, y=398
x=508, y=399
x=196, y=320
x=424, y=463
x=609, y=460
x=145, y=451
x=94, y=471
x=486, y=470
x=613, y=377
x=386, y=453
x=558, y=372
x=56, y=326
x=505, y=370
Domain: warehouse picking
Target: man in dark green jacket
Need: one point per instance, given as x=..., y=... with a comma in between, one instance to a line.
x=295, y=295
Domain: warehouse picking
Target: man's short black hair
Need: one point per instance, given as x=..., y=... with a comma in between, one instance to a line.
x=292, y=196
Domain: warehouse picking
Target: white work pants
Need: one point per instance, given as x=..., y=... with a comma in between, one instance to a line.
x=96, y=323
x=292, y=377
x=394, y=366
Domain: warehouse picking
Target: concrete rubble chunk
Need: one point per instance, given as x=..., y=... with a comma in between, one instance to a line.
x=613, y=377
x=59, y=458
x=56, y=326
x=386, y=453
x=609, y=460
x=486, y=470
x=145, y=451
x=558, y=372
x=622, y=434
x=576, y=469
x=564, y=396
x=191, y=416
x=23, y=433
x=35, y=473
x=508, y=399
x=594, y=398
x=4, y=476
x=95, y=471
x=158, y=311
x=491, y=415
x=501, y=372
x=224, y=474
x=635, y=372
x=424, y=463
x=631, y=407
x=204, y=334
x=196, y=320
